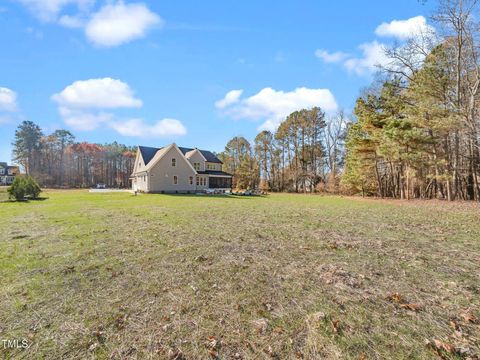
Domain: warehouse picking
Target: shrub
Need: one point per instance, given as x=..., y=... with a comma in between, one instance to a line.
x=24, y=187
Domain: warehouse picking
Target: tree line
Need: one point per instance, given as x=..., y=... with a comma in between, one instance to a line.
x=57, y=160
x=414, y=133
x=417, y=135
x=305, y=154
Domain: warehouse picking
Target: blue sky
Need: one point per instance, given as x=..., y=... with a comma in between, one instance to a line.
x=197, y=73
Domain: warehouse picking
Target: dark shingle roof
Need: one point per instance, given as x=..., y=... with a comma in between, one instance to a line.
x=148, y=153
x=208, y=155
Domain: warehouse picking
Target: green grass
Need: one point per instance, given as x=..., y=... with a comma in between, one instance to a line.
x=288, y=276
x=3, y=194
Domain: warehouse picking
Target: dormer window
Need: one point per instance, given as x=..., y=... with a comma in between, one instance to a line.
x=196, y=166
x=174, y=162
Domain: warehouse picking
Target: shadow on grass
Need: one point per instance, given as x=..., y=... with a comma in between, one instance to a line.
x=24, y=200
x=224, y=196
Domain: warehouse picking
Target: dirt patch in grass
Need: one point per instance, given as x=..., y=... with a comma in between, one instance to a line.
x=153, y=276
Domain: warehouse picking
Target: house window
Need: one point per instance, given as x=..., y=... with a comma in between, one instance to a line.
x=174, y=162
x=175, y=180
x=198, y=181
x=2, y=171
x=210, y=166
x=196, y=166
x=191, y=180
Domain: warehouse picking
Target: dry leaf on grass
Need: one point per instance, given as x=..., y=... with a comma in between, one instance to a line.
x=440, y=346
x=400, y=300
x=175, y=354
x=261, y=325
x=269, y=351
x=412, y=307
x=213, y=342
x=213, y=353
x=395, y=297
x=469, y=317
x=336, y=326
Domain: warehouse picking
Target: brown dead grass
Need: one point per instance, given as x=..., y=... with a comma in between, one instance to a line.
x=284, y=276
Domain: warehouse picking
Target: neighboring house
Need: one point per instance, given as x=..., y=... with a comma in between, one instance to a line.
x=174, y=169
x=8, y=173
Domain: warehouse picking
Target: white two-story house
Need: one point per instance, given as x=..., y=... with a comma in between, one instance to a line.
x=174, y=169
x=7, y=173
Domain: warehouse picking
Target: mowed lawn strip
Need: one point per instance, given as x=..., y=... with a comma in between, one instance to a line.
x=288, y=276
x=3, y=194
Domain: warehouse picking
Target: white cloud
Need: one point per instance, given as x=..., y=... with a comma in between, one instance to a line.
x=273, y=106
x=106, y=93
x=404, y=29
x=139, y=128
x=84, y=120
x=83, y=104
x=328, y=57
x=49, y=10
x=8, y=100
x=232, y=97
x=73, y=22
x=373, y=56
x=373, y=53
x=115, y=24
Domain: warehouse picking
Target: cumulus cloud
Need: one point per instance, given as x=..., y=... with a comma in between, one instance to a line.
x=329, y=57
x=115, y=24
x=373, y=56
x=373, y=53
x=106, y=93
x=8, y=100
x=139, y=128
x=404, y=29
x=230, y=98
x=73, y=22
x=49, y=10
x=272, y=106
x=83, y=120
x=88, y=104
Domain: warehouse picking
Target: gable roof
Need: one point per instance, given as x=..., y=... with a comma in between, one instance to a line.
x=208, y=155
x=148, y=153
x=162, y=151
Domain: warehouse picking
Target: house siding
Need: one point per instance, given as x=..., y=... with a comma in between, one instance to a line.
x=196, y=157
x=160, y=176
x=213, y=166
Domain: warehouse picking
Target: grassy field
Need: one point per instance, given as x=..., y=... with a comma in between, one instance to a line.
x=194, y=277
x=3, y=193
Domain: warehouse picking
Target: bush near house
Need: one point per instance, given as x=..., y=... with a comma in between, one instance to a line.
x=24, y=187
